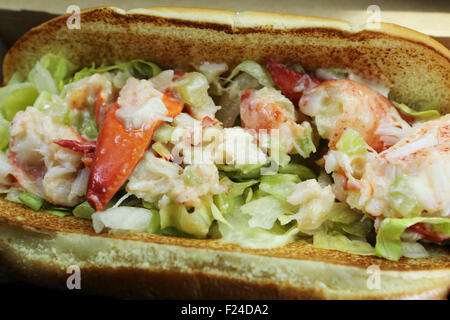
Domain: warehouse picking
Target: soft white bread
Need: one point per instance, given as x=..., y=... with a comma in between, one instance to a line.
x=414, y=65
x=39, y=247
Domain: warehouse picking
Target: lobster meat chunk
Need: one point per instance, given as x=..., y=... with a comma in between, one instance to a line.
x=119, y=149
x=291, y=83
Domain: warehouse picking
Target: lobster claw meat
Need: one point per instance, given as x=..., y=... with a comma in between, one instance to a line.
x=86, y=147
x=291, y=83
x=119, y=151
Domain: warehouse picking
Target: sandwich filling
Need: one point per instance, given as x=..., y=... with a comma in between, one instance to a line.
x=260, y=156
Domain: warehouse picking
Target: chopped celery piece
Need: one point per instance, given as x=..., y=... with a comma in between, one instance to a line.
x=279, y=185
x=15, y=98
x=352, y=143
x=191, y=176
x=164, y=133
x=196, y=223
x=88, y=128
x=193, y=89
x=84, y=122
x=31, y=200
x=305, y=145
x=255, y=70
x=402, y=199
x=303, y=172
x=155, y=222
x=54, y=106
x=83, y=210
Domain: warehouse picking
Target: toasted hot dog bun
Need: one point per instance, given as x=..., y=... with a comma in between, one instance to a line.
x=40, y=247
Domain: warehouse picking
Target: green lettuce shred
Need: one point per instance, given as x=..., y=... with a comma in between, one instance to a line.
x=240, y=232
x=423, y=115
x=337, y=241
x=135, y=68
x=389, y=244
x=255, y=70
x=265, y=211
x=279, y=185
x=51, y=73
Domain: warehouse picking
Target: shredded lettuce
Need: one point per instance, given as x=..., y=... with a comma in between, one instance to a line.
x=342, y=213
x=337, y=241
x=239, y=231
x=217, y=214
x=279, y=185
x=16, y=78
x=304, y=173
x=135, y=68
x=16, y=97
x=412, y=249
x=423, y=115
x=347, y=221
x=245, y=172
x=225, y=201
x=389, y=244
x=255, y=70
x=265, y=211
x=50, y=73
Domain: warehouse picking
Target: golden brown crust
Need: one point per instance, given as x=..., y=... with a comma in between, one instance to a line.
x=415, y=65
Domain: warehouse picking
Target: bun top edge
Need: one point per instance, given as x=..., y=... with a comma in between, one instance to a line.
x=276, y=21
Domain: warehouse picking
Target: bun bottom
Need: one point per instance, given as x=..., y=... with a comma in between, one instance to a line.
x=112, y=265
